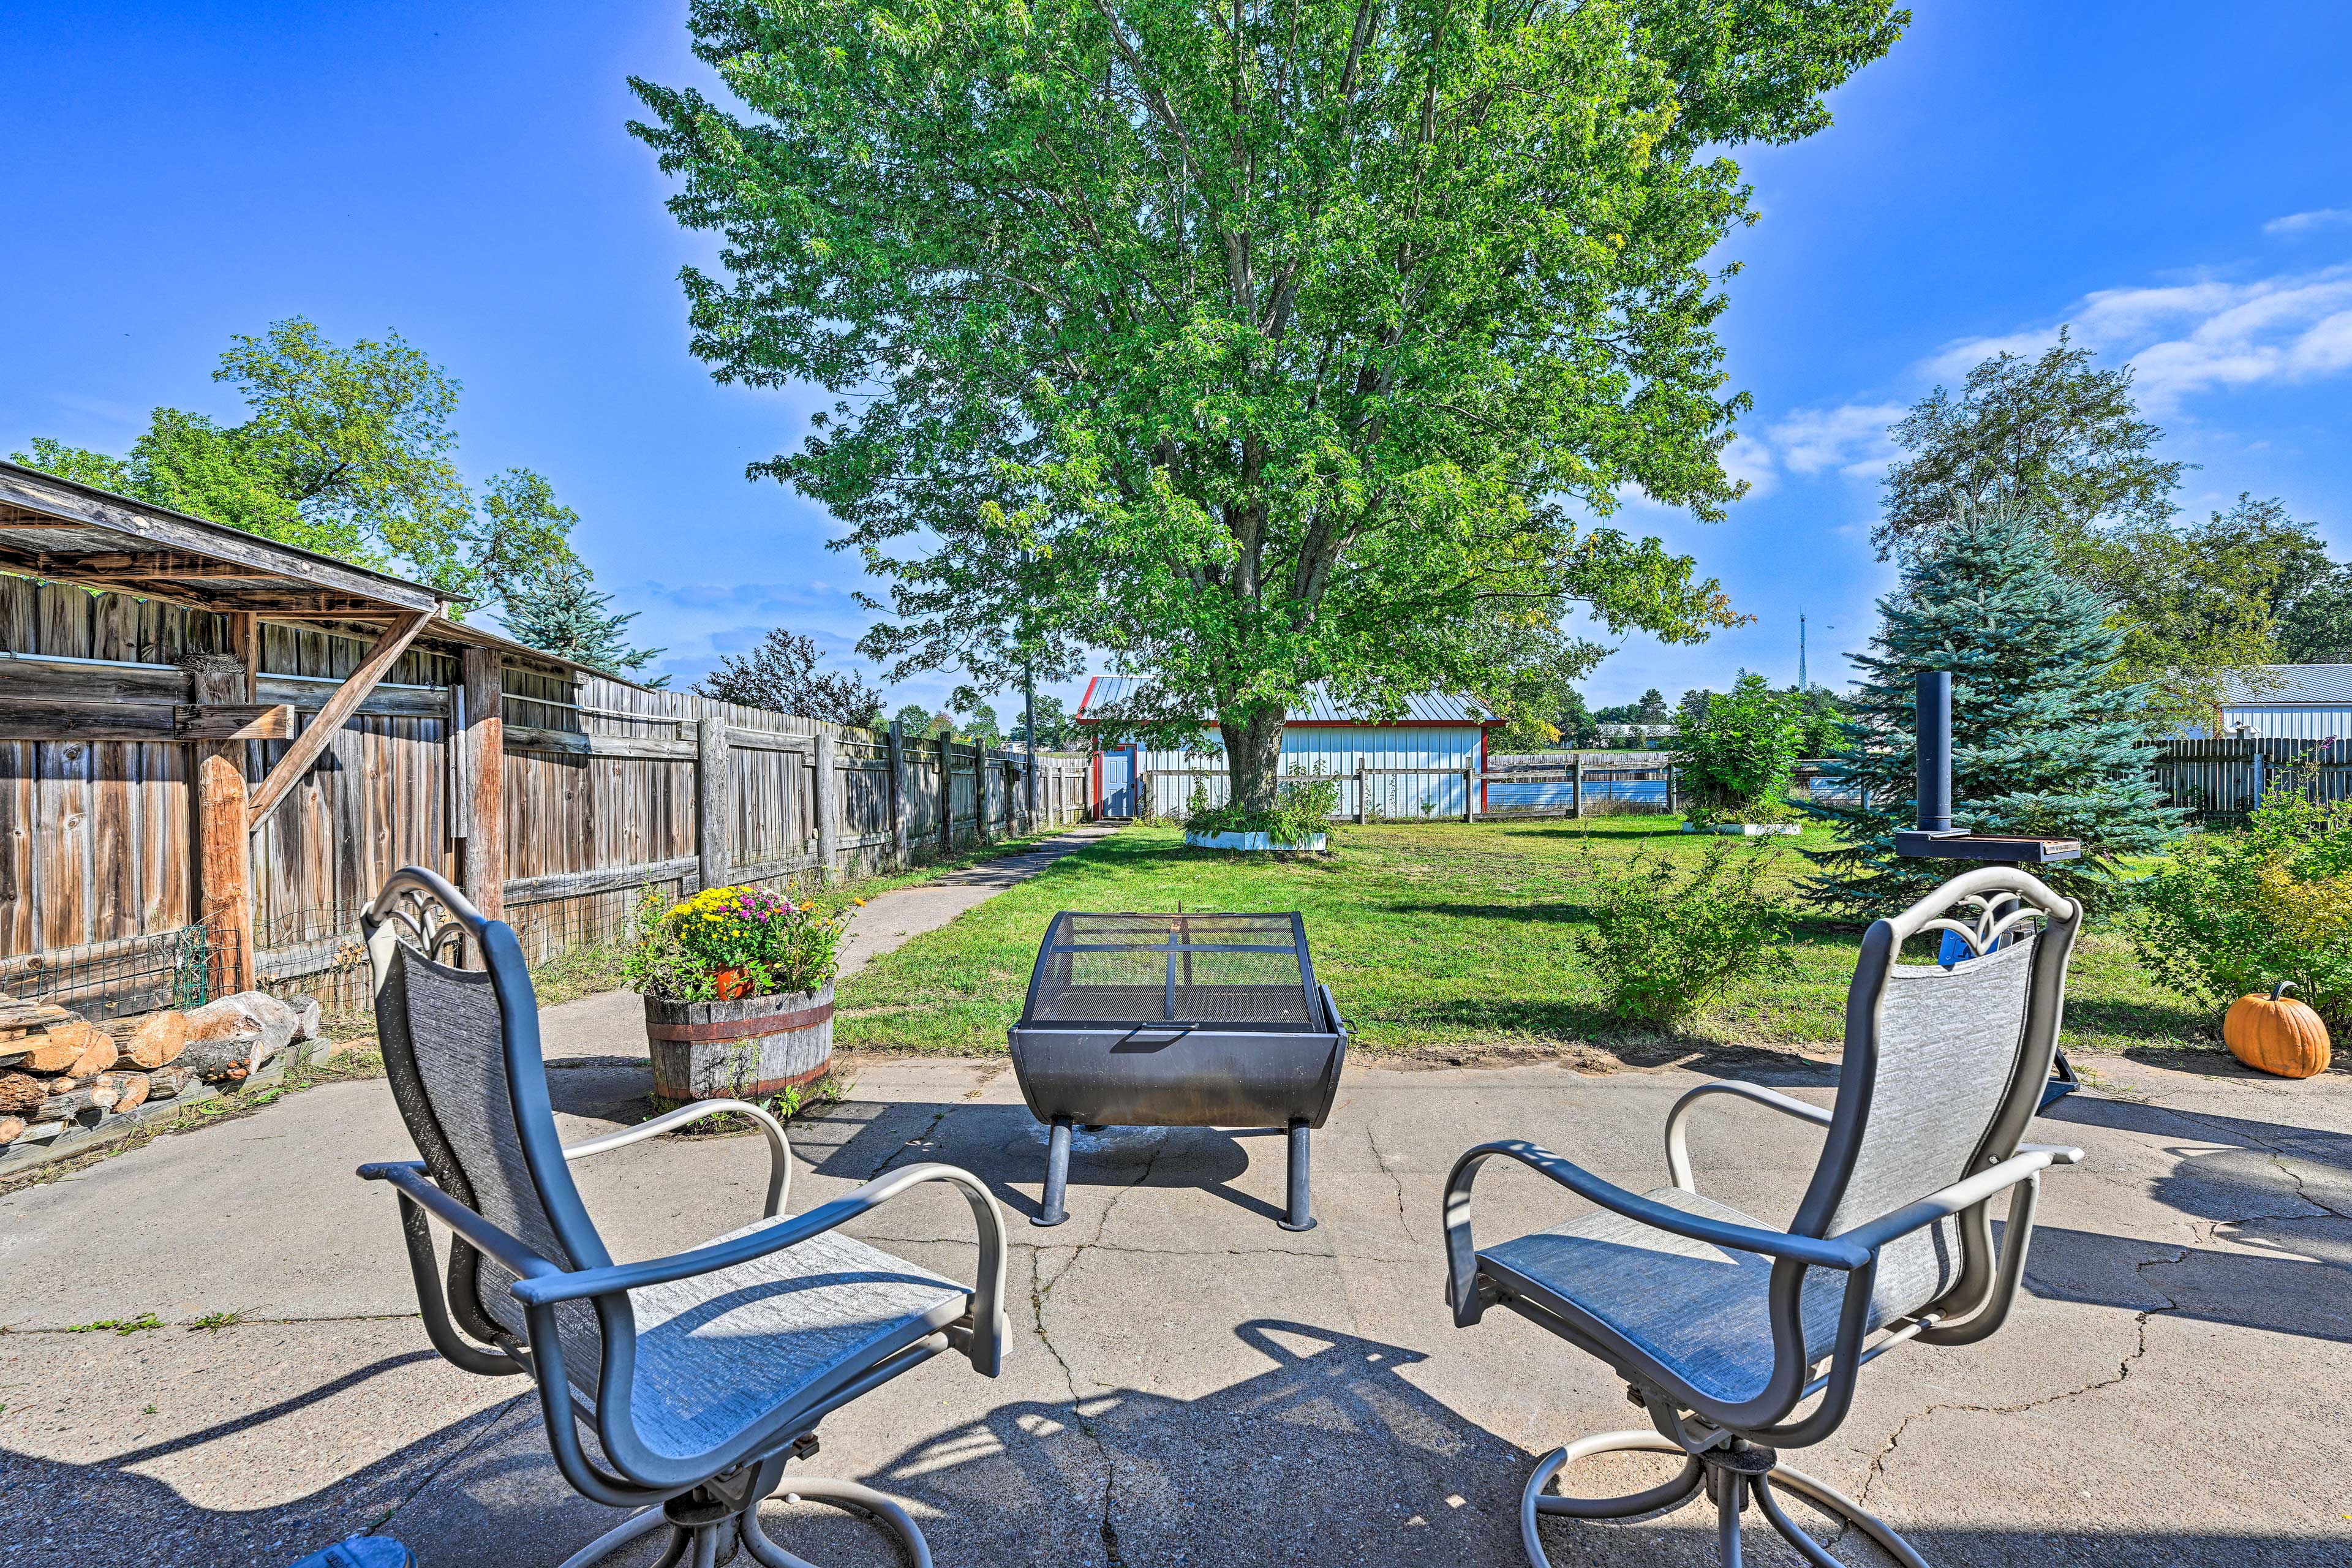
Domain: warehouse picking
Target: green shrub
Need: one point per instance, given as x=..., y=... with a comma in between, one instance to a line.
x=1735, y=749
x=1303, y=806
x=1664, y=942
x=2230, y=913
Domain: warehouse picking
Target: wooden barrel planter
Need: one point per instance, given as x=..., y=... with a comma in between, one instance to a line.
x=744, y=1050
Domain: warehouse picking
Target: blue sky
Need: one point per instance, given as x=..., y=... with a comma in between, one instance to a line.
x=2172, y=179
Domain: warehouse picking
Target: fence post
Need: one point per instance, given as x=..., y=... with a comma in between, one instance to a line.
x=901, y=849
x=223, y=843
x=980, y=790
x=1576, y=784
x=1360, y=792
x=1670, y=789
x=482, y=868
x=1469, y=794
x=828, y=807
x=710, y=798
x=947, y=794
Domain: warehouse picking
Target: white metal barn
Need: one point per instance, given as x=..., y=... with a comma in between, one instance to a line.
x=2306, y=702
x=1436, y=733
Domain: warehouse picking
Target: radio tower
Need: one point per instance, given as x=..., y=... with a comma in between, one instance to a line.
x=1801, y=686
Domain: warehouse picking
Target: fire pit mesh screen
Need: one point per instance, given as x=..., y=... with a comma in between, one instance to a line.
x=1175, y=969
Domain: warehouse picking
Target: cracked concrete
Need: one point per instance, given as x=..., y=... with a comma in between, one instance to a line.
x=1196, y=1387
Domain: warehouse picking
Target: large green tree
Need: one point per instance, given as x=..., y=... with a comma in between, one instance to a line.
x=2046, y=739
x=1263, y=344
x=345, y=450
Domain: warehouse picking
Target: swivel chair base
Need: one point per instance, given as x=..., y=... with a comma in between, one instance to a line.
x=1730, y=1474
x=707, y=1542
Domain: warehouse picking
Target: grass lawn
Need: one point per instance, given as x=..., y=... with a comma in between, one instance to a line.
x=1441, y=940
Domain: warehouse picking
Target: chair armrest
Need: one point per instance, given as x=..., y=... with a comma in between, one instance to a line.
x=1678, y=1167
x=780, y=1150
x=2028, y=1163
x=988, y=1330
x=1460, y=1253
x=409, y=1176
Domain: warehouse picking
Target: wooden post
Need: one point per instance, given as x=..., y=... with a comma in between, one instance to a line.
x=224, y=845
x=828, y=808
x=947, y=795
x=1670, y=789
x=1469, y=793
x=980, y=790
x=711, y=799
x=902, y=828
x=1576, y=784
x=1361, y=817
x=482, y=758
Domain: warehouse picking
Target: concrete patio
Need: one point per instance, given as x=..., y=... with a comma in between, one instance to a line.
x=1189, y=1384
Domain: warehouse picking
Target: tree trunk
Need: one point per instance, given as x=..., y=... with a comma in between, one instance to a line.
x=1253, y=756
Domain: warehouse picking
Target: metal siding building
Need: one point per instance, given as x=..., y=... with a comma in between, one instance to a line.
x=2314, y=703
x=1433, y=731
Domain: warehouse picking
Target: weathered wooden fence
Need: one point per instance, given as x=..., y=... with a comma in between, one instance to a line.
x=2220, y=781
x=608, y=789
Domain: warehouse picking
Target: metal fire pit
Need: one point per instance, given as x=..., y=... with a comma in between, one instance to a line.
x=1184, y=1020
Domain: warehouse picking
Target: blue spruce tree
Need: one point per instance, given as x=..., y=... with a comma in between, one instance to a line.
x=558, y=608
x=2045, y=741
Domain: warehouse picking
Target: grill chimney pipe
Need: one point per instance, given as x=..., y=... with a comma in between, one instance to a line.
x=1934, y=742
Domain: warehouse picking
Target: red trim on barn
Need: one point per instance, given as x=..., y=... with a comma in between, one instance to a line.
x=1482, y=771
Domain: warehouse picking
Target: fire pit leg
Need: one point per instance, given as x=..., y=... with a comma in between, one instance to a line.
x=1300, y=1217
x=1057, y=1175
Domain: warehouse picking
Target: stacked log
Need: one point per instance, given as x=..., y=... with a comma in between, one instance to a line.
x=57, y=1068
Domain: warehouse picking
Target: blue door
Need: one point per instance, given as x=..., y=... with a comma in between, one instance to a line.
x=1118, y=783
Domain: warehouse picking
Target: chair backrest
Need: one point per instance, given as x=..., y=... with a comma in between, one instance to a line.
x=1944, y=1067
x=461, y=1051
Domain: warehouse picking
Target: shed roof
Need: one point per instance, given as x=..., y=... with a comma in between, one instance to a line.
x=2301, y=685
x=1321, y=707
x=63, y=531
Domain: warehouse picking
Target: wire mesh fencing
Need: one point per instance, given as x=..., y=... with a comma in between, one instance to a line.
x=185, y=967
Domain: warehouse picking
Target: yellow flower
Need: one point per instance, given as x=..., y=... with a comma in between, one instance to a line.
x=861, y=903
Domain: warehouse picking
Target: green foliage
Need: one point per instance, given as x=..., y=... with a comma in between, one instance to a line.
x=145, y=1322
x=782, y=675
x=2315, y=618
x=765, y=940
x=2052, y=437
x=1665, y=940
x=914, y=720
x=2201, y=604
x=558, y=608
x=1735, y=748
x=346, y=451
x=1304, y=807
x=1263, y=346
x=1822, y=719
x=2046, y=741
x=2230, y=913
x=1056, y=730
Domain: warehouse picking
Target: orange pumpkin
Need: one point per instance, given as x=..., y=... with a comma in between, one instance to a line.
x=2276, y=1034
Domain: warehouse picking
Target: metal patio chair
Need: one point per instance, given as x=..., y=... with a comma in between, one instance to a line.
x=1720, y=1324
x=701, y=1375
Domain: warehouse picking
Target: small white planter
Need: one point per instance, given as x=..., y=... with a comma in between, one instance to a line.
x=1314, y=843
x=1749, y=829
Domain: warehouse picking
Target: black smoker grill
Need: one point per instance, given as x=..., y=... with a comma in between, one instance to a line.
x=1186, y=1020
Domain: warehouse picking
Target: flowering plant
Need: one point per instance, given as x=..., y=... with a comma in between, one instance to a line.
x=726, y=942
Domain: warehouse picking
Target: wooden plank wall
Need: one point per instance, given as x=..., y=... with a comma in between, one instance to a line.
x=95, y=835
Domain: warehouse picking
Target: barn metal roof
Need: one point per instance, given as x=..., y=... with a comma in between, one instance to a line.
x=1321, y=707
x=2302, y=685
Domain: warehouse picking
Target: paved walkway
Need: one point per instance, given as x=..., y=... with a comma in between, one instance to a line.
x=611, y=1025
x=1191, y=1385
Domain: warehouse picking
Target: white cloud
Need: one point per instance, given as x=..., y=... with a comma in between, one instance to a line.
x=1745, y=458
x=1851, y=438
x=2200, y=336
x=2300, y=223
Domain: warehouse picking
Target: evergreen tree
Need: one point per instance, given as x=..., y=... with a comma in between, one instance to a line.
x=2045, y=741
x=558, y=609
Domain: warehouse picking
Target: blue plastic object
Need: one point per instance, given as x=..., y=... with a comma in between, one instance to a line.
x=362, y=1551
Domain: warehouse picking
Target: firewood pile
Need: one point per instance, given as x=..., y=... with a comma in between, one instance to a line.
x=58, y=1070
